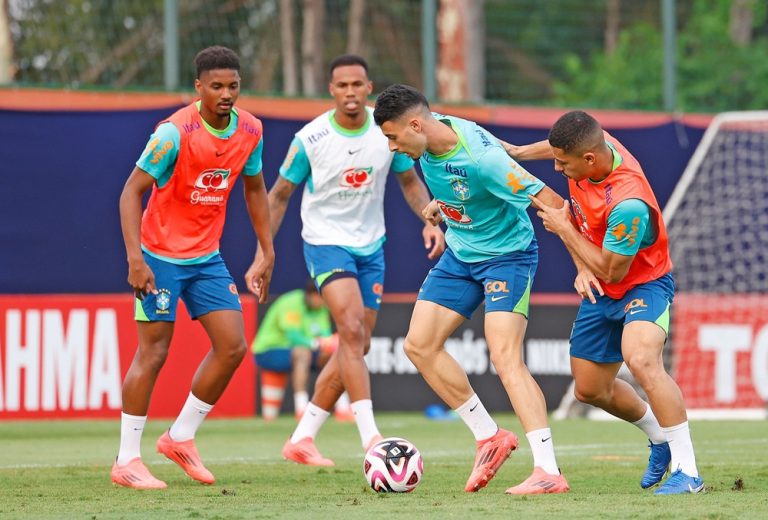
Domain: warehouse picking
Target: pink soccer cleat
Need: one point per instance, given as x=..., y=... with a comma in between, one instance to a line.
x=185, y=455
x=305, y=452
x=135, y=475
x=491, y=454
x=539, y=483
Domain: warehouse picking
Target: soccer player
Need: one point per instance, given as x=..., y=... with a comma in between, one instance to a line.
x=191, y=162
x=344, y=160
x=620, y=237
x=492, y=256
x=294, y=337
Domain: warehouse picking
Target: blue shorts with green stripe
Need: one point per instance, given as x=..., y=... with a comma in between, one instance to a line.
x=503, y=282
x=204, y=288
x=597, y=331
x=328, y=263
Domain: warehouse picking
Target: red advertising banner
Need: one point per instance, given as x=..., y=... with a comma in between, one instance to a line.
x=721, y=349
x=65, y=356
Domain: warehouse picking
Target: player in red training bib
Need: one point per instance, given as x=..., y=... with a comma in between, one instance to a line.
x=618, y=241
x=191, y=163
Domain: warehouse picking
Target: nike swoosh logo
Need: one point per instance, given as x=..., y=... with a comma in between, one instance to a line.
x=219, y=154
x=497, y=298
x=545, y=440
x=473, y=408
x=636, y=311
x=353, y=152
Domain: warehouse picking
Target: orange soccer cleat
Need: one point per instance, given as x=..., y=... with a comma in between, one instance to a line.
x=491, y=454
x=539, y=483
x=305, y=452
x=135, y=475
x=185, y=455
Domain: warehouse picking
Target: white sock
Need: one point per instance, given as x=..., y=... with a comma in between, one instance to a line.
x=311, y=422
x=651, y=427
x=342, y=404
x=681, y=446
x=131, y=428
x=543, y=450
x=189, y=420
x=300, y=401
x=474, y=415
x=366, y=424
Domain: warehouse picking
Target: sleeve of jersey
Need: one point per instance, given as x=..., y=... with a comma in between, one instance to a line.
x=506, y=179
x=253, y=165
x=627, y=224
x=295, y=167
x=401, y=163
x=159, y=156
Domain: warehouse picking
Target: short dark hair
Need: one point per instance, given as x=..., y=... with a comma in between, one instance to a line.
x=576, y=132
x=396, y=100
x=216, y=57
x=347, y=59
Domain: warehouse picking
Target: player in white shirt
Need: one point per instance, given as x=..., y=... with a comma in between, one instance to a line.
x=344, y=159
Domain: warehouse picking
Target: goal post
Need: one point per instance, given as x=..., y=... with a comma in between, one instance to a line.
x=717, y=222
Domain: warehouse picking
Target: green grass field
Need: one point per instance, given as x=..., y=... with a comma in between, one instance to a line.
x=61, y=470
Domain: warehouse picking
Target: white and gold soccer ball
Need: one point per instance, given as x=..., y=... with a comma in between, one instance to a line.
x=393, y=465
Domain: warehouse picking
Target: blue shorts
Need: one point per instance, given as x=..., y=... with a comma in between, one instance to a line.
x=204, y=288
x=597, y=331
x=279, y=360
x=504, y=282
x=327, y=263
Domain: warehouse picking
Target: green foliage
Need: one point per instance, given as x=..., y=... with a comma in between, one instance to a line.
x=53, y=469
x=714, y=74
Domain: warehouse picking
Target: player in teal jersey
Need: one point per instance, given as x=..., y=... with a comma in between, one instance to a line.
x=482, y=195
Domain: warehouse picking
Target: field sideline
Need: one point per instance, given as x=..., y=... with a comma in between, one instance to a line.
x=61, y=470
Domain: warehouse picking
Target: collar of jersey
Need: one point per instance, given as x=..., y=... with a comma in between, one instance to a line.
x=221, y=134
x=346, y=131
x=461, y=143
x=617, y=160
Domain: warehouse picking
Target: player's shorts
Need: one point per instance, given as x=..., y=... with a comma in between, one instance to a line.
x=204, y=287
x=328, y=263
x=597, y=331
x=279, y=359
x=504, y=282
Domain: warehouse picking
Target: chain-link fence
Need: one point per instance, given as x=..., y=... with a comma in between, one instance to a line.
x=599, y=53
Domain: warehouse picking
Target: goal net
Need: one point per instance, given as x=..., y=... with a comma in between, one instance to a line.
x=717, y=220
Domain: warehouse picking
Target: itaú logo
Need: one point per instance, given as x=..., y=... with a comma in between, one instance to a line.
x=214, y=179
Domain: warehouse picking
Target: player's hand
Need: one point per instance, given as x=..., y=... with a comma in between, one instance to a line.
x=431, y=213
x=141, y=278
x=585, y=281
x=259, y=275
x=434, y=240
x=555, y=220
x=511, y=149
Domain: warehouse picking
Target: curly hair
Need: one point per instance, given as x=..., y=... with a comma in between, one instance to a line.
x=216, y=57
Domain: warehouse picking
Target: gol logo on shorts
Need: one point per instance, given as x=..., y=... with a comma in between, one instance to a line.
x=378, y=289
x=496, y=286
x=233, y=288
x=634, y=304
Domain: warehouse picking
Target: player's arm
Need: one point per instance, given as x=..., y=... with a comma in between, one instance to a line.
x=155, y=166
x=140, y=276
x=294, y=170
x=417, y=197
x=259, y=274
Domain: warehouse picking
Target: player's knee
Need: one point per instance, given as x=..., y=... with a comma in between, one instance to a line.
x=415, y=350
x=152, y=357
x=590, y=395
x=235, y=352
x=505, y=363
x=352, y=333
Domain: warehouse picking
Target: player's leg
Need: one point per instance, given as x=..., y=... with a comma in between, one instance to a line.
x=596, y=359
x=506, y=282
x=155, y=316
x=447, y=297
x=211, y=297
x=301, y=361
x=646, y=315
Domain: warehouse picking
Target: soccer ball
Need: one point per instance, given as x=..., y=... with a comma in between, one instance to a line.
x=393, y=465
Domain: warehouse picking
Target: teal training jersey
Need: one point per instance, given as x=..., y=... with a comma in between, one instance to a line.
x=290, y=323
x=482, y=194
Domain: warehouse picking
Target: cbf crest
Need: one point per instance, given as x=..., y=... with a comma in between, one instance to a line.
x=460, y=189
